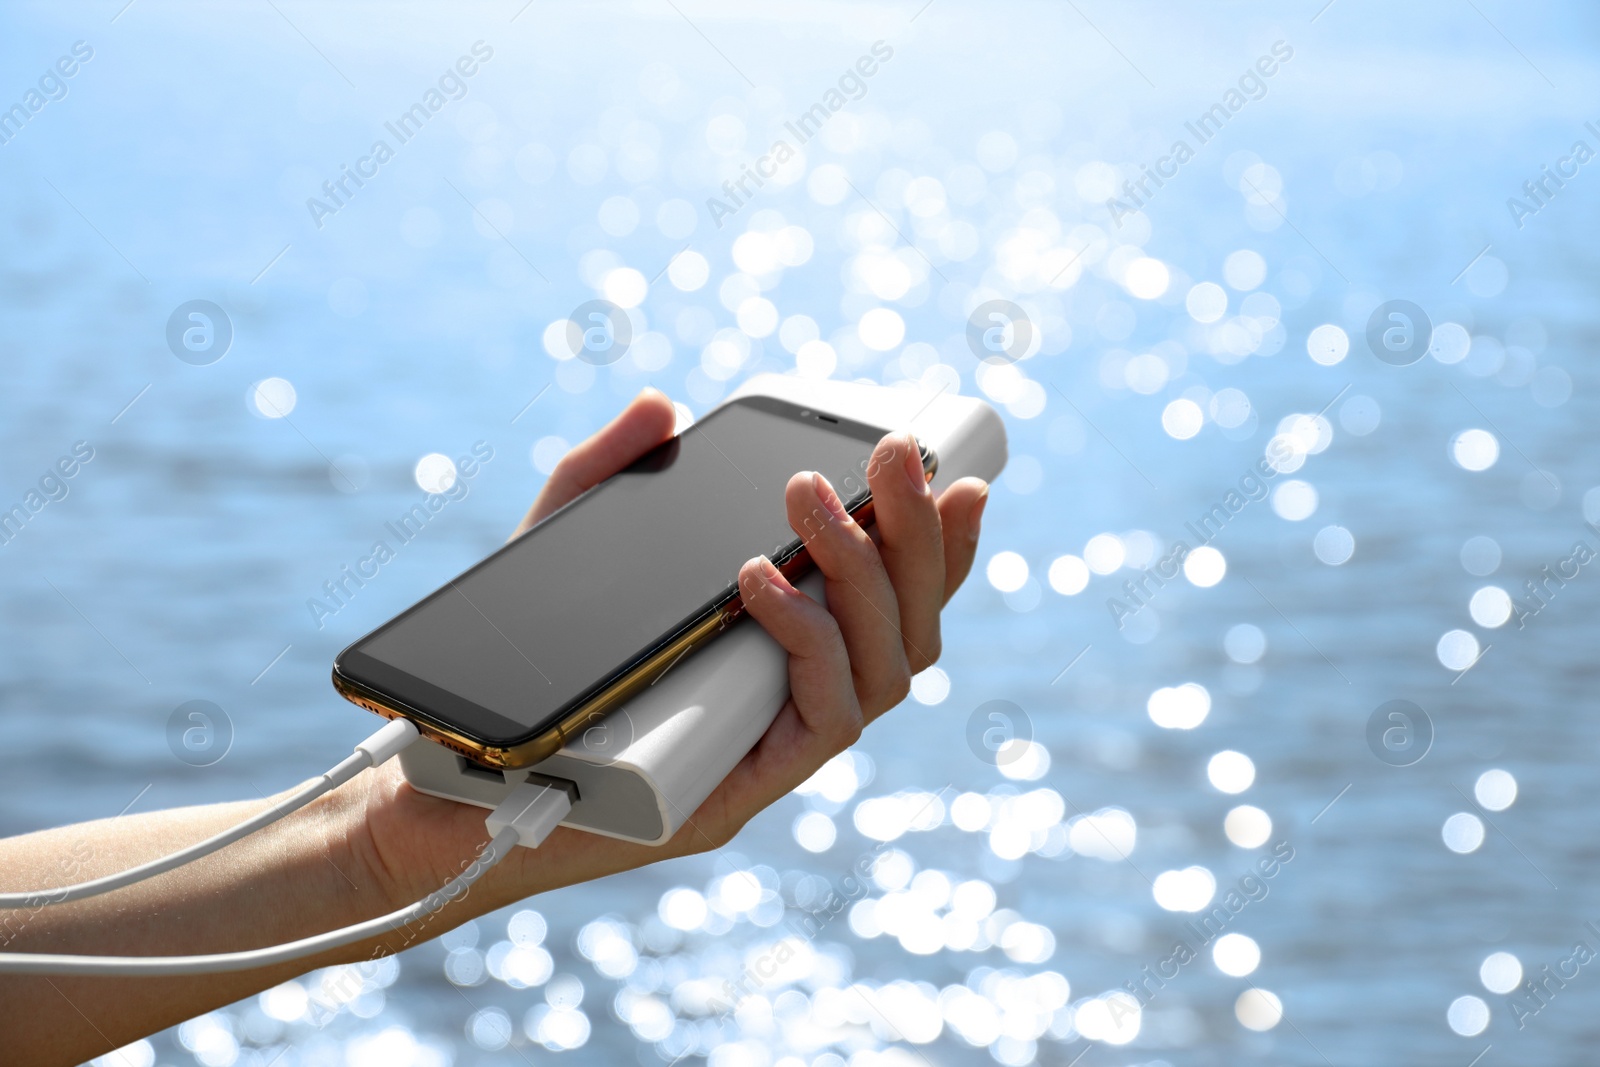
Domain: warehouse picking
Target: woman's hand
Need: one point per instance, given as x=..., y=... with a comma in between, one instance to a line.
x=848, y=664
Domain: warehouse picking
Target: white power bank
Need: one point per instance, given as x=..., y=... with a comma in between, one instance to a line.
x=644, y=768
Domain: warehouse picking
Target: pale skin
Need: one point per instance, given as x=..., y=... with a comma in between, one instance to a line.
x=375, y=844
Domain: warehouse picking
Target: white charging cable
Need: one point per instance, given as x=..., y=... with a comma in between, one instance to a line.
x=526, y=817
x=382, y=745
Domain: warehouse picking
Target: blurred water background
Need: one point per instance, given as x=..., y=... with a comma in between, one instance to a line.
x=1175, y=343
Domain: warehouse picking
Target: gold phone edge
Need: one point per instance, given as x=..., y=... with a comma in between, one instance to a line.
x=547, y=744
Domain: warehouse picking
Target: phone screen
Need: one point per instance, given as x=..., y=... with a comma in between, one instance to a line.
x=507, y=649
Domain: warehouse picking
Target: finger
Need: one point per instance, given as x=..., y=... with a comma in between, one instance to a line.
x=860, y=595
x=819, y=665
x=911, y=544
x=821, y=718
x=960, y=518
x=643, y=424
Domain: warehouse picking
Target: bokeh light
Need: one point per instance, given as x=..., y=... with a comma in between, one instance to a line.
x=1069, y=575
x=1205, y=566
x=1230, y=771
x=1327, y=345
x=1490, y=606
x=1495, y=790
x=1236, y=955
x=1181, y=707
x=1007, y=571
x=1457, y=650
x=1474, y=450
x=1245, y=643
x=1247, y=826
x=1468, y=1016
x=273, y=398
x=1190, y=889
x=1334, y=545
x=1257, y=1009
x=435, y=473
x=1463, y=832
x=1500, y=972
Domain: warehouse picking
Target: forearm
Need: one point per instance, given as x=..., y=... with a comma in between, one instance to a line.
x=305, y=874
x=370, y=847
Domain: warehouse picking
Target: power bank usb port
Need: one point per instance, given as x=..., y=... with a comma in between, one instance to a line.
x=478, y=770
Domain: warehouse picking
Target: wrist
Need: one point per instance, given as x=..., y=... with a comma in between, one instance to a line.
x=401, y=845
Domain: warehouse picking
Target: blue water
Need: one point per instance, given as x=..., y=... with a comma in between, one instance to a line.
x=1375, y=165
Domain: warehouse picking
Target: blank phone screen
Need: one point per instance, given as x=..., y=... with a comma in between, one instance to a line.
x=507, y=649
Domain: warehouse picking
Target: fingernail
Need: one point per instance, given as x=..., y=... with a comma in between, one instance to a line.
x=975, y=517
x=913, y=465
x=752, y=585
x=768, y=571
x=829, y=498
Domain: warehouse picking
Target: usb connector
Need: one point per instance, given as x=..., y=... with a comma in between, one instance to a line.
x=533, y=809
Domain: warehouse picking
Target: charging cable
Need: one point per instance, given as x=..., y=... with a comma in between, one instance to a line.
x=526, y=818
x=383, y=744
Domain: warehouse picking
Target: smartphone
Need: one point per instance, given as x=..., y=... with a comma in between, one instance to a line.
x=509, y=660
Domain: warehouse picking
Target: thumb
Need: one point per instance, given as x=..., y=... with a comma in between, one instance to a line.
x=646, y=422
